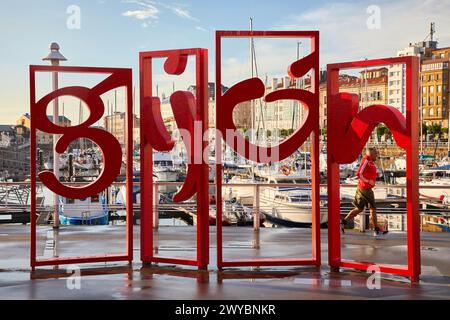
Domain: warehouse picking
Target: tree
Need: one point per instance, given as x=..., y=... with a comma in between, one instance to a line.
x=424, y=129
x=283, y=133
x=435, y=129
x=381, y=131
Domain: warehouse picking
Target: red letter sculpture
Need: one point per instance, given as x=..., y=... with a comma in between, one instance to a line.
x=254, y=88
x=108, y=144
x=189, y=111
x=348, y=132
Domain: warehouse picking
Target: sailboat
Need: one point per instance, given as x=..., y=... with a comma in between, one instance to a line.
x=92, y=210
x=285, y=206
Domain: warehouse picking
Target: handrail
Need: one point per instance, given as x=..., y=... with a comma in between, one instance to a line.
x=266, y=185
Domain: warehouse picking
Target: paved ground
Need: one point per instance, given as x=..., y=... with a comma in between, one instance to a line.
x=121, y=281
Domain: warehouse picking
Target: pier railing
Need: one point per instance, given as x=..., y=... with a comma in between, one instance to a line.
x=14, y=199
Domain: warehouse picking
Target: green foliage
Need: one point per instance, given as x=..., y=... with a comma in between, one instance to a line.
x=435, y=129
x=283, y=133
x=424, y=129
x=383, y=131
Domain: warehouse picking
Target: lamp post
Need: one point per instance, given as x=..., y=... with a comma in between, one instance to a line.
x=55, y=57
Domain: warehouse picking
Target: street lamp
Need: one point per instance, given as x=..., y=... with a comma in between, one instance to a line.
x=55, y=57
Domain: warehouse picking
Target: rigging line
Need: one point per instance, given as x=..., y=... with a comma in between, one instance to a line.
x=293, y=106
x=260, y=99
x=297, y=87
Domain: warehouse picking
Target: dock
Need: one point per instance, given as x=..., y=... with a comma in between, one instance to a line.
x=123, y=281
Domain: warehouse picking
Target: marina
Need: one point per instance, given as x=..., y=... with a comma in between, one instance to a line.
x=164, y=152
x=277, y=201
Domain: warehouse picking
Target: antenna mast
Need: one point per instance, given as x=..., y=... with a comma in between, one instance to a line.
x=432, y=31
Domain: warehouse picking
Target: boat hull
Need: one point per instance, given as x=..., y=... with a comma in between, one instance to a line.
x=98, y=220
x=289, y=223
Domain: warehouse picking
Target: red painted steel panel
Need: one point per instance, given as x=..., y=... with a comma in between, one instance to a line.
x=107, y=143
x=254, y=89
x=191, y=114
x=348, y=131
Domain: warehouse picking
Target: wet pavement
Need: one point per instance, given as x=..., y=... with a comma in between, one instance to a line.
x=123, y=281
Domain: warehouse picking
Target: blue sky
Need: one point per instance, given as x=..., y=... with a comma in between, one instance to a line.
x=114, y=31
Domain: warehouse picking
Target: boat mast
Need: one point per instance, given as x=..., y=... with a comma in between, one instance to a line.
x=296, y=105
x=252, y=102
x=80, y=120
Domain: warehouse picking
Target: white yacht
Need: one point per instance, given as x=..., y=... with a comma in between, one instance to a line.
x=163, y=167
x=91, y=211
x=290, y=206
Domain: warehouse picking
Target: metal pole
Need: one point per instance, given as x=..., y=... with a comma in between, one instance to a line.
x=421, y=115
x=156, y=211
x=252, y=73
x=55, y=57
x=55, y=138
x=448, y=129
x=256, y=219
x=256, y=215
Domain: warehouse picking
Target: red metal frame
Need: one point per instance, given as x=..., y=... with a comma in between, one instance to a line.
x=186, y=109
x=348, y=131
x=107, y=143
x=252, y=89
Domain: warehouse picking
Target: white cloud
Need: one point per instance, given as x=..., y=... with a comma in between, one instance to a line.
x=146, y=12
x=150, y=11
x=345, y=35
x=182, y=13
x=200, y=28
x=142, y=14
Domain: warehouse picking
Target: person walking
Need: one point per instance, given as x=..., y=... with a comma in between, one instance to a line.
x=364, y=197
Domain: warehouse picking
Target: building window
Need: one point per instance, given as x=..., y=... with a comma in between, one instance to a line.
x=439, y=88
x=424, y=112
x=424, y=89
x=438, y=100
x=431, y=112
x=430, y=101
x=431, y=89
x=439, y=112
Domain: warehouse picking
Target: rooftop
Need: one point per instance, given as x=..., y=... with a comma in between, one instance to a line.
x=60, y=118
x=6, y=128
